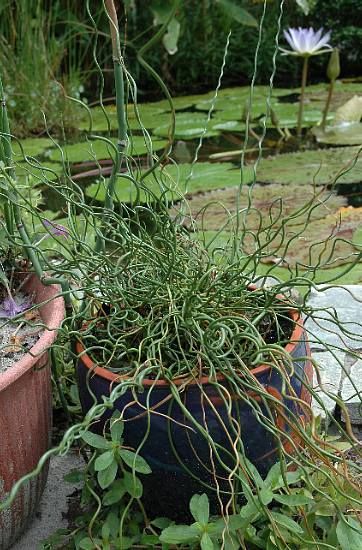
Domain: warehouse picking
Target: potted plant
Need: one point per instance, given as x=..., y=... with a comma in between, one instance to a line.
x=31, y=313
x=212, y=368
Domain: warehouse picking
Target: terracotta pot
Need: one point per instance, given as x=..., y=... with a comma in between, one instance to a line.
x=26, y=417
x=180, y=457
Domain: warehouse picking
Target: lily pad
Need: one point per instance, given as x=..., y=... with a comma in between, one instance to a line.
x=343, y=134
x=188, y=126
x=284, y=236
x=30, y=147
x=287, y=115
x=240, y=96
x=318, y=93
x=38, y=173
x=270, y=206
x=323, y=166
x=102, y=121
x=97, y=149
x=347, y=273
x=174, y=180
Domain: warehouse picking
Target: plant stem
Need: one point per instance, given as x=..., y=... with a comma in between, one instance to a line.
x=328, y=103
x=121, y=114
x=302, y=92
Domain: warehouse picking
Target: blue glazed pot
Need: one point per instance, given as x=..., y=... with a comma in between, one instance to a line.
x=174, y=446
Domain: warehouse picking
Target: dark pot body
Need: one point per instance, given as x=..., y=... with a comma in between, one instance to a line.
x=177, y=452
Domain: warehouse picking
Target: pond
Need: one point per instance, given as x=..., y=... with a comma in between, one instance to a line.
x=288, y=170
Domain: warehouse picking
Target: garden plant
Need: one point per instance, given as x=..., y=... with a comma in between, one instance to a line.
x=183, y=365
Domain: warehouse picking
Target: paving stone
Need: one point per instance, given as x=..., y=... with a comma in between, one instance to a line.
x=334, y=330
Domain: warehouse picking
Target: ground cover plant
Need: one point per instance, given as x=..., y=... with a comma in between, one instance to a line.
x=160, y=291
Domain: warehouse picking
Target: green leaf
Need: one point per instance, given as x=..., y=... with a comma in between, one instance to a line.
x=273, y=475
x=180, y=534
x=287, y=522
x=170, y=39
x=240, y=15
x=75, y=476
x=115, y=493
x=112, y=521
x=206, y=542
x=117, y=427
x=304, y=6
x=294, y=500
x=199, y=508
x=88, y=544
x=228, y=524
x=349, y=534
x=322, y=166
x=105, y=531
x=95, y=440
x=103, y=461
x=135, y=461
x=107, y=476
x=161, y=523
x=266, y=495
x=133, y=485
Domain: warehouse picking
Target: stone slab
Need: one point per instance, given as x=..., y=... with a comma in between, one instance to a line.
x=335, y=334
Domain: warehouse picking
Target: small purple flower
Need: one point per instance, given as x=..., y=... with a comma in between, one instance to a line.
x=306, y=42
x=9, y=308
x=56, y=229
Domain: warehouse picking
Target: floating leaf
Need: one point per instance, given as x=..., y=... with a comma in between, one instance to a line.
x=323, y=166
x=97, y=149
x=287, y=115
x=105, y=120
x=31, y=147
x=188, y=126
x=350, y=111
x=39, y=172
x=271, y=204
x=205, y=176
x=320, y=236
x=343, y=134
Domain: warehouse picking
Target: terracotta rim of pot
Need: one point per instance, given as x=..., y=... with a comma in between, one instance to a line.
x=52, y=312
x=116, y=378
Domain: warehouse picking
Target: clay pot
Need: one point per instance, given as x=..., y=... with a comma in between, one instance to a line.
x=180, y=457
x=26, y=417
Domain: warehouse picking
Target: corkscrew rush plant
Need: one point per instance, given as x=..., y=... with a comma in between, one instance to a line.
x=157, y=307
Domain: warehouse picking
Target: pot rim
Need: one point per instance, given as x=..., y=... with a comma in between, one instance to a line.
x=116, y=378
x=52, y=312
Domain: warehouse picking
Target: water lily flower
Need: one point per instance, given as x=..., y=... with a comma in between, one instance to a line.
x=306, y=42
x=56, y=229
x=10, y=308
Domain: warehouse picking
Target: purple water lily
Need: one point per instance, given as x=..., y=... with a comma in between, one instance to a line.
x=306, y=42
x=56, y=229
x=10, y=308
